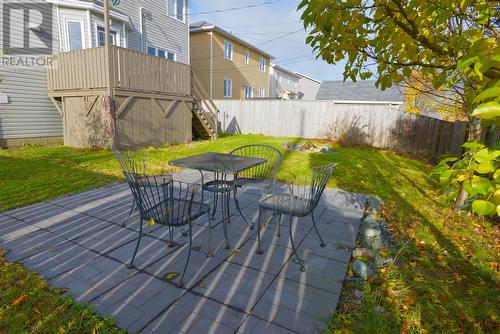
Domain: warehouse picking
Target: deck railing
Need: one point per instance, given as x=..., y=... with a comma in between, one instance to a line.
x=129, y=70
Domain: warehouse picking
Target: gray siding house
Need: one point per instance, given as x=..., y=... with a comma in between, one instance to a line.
x=308, y=87
x=27, y=114
x=283, y=83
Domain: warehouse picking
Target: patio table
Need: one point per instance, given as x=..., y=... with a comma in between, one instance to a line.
x=222, y=165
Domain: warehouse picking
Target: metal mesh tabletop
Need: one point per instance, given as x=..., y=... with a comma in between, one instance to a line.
x=218, y=162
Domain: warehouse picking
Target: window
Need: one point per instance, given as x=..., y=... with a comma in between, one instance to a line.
x=262, y=92
x=262, y=64
x=228, y=88
x=75, y=36
x=175, y=8
x=247, y=56
x=100, y=36
x=153, y=51
x=171, y=56
x=228, y=50
x=248, y=92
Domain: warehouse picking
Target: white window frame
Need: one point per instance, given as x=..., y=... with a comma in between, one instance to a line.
x=230, y=86
x=112, y=30
x=247, y=56
x=262, y=92
x=250, y=89
x=226, y=42
x=262, y=64
x=157, y=50
x=67, y=33
x=175, y=10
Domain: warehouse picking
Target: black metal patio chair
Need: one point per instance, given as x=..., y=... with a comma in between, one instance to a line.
x=131, y=162
x=261, y=176
x=167, y=202
x=295, y=200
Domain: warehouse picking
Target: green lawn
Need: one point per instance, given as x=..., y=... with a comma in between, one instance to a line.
x=445, y=277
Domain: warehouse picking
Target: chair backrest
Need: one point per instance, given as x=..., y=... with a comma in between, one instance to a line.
x=162, y=199
x=130, y=161
x=264, y=171
x=319, y=180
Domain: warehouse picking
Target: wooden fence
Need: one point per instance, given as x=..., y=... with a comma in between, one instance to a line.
x=381, y=125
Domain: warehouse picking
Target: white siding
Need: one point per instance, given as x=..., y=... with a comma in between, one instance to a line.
x=162, y=31
x=29, y=113
x=280, y=82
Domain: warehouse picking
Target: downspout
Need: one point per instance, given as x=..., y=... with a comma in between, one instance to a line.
x=89, y=29
x=59, y=31
x=211, y=63
x=141, y=23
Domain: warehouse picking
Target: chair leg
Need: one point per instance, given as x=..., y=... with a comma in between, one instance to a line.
x=322, y=243
x=189, y=253
x=297, y=259
x=209, y=253
x=170, y=243
x=225, y=217
x=259, y=223
x=278, y=229
x=238, y=204
x=129, y=214
x=216, y=199
x=131, y=265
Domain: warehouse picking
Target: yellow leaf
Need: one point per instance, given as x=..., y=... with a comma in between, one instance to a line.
x=171, y=276
x=151, y=221
x=413, y=264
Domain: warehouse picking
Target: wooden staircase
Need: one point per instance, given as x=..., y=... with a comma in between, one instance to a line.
x=205, y=112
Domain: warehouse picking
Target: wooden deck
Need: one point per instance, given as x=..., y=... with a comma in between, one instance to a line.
x=85, y=71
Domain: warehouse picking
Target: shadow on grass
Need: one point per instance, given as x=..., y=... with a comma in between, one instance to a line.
x=443, y=290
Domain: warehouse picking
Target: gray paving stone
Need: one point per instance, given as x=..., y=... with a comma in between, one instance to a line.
x=30, y=244
x=150, y=250
x=107, y=239
x=255, y=325
x=199, y=266
x=235, y=285
x=58, y=259
x=296, y=306
x=99, y=274
x=271, y=261
x=11, y=228
x=78, y=226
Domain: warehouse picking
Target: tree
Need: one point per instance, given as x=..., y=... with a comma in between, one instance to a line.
x=392, y=39
x=450, y=43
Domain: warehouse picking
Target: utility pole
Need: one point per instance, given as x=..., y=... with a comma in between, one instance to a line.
x=107, y=48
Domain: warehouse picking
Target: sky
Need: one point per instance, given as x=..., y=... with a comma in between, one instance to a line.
x=264, y=27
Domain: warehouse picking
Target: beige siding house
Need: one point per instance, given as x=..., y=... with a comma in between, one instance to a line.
x=227, y=66
x=308, y=87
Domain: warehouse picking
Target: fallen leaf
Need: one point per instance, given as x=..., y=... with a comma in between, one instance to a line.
x=443, y=298
x=151, y=221
x=21, y=300
x=36, y=309
x=202, y=285
x=171, y=276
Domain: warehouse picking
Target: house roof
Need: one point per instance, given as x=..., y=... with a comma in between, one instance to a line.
x=201, y=26
x=358, y=91
x=307, y=77
x=282, y=69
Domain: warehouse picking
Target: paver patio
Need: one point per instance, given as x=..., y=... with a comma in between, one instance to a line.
x=78, y=243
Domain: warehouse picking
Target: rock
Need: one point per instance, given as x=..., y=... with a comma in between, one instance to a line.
x=370, y=228
x=380, y=310
x=286, y=145
x=374, y=201
x=362, y=269
x=363, y=252
x=358, y=294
